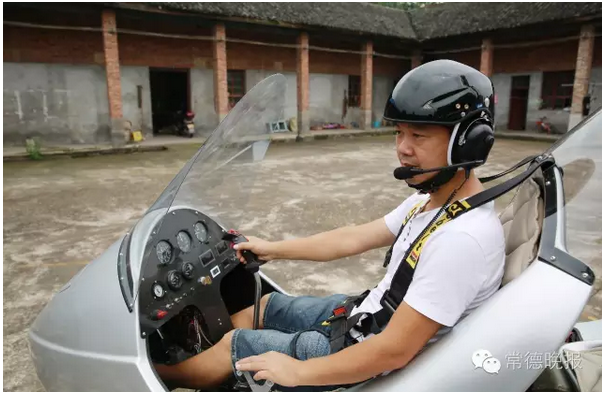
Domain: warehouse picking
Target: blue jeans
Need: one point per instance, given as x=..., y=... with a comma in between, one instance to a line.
x=283, y=320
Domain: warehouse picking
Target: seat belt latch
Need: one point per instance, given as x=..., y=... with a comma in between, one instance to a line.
x=339, y=311
x=388, y=303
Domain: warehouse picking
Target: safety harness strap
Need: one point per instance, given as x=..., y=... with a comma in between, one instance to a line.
x=403, y=277
x=414, y=211
x=339, y=324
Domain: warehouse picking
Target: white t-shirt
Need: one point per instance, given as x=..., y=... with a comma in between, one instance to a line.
x=461, y=264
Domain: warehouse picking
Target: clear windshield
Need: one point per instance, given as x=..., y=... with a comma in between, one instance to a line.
x=579, y=155
x=223, y=169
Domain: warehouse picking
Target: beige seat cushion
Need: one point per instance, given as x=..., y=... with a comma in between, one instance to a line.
x=584, y=360
x=522, y=221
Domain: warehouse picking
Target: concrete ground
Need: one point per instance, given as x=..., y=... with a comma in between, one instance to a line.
x=60, y=214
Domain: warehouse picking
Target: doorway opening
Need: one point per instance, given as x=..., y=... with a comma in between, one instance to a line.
x=170, y=98
x=519, y=98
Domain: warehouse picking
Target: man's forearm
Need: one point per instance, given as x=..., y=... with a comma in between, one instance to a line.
x=353, y=364
x=326, y=246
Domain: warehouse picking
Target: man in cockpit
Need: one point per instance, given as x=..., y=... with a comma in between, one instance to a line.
x=440, y=266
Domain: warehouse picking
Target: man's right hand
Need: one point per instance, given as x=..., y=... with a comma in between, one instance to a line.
x=264, y=250
x=326, y=246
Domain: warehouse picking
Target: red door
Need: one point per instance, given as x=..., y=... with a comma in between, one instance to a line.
x=519, y=97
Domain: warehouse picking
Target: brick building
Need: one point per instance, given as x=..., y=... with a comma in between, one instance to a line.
x=75, y=71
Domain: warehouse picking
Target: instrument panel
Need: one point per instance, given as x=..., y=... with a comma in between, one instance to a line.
x=188, y=257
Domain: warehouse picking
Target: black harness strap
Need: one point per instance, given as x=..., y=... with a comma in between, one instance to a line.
x=339, y=323
x=405, y=273
x=414, y=211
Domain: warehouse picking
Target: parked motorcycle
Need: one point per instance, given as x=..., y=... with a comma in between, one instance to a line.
x=185, y=124
x=166, y=289
x=544, y=126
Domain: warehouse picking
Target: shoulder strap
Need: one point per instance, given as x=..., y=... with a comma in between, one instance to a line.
x=415, y=209
x=405, y=273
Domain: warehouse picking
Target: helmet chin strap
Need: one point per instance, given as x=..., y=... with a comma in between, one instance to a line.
x=433, y=184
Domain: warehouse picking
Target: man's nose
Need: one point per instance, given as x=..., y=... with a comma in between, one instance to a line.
x=405, y=148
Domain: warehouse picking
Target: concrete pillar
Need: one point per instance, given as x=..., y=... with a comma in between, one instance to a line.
x=366, y=81
x=302, y=84
x=416, y=58
x=220, y=71
x=583, y=70
x=111, y=55
x=487, y=57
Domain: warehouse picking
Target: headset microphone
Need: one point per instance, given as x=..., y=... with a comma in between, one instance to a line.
x=403, y=173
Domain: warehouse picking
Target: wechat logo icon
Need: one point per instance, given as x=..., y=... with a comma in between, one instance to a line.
x=483, y=359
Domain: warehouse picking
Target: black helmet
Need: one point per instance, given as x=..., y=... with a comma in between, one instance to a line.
x=448, y=93
x=441, y=92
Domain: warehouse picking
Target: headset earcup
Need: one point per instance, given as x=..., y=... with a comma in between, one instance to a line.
x=478, y=141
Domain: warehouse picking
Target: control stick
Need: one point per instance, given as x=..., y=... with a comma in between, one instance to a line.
x=252, y=265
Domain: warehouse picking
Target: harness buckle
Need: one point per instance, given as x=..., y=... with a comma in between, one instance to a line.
x=335, y=316
x=388, y=303
x=339, y=311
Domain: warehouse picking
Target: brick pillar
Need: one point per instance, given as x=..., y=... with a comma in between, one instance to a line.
x=302, y=84
x=416, y=58
x=487, y=57
x=583, y=70
x=220, y=71
x=111, y=54
x=368, y=51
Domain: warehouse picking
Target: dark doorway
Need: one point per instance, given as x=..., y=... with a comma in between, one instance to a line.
x=169, y=98
x=519, y=97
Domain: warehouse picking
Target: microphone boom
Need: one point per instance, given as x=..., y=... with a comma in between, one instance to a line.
x=403, y=173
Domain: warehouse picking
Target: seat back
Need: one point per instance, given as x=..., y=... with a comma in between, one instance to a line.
x=522, y=222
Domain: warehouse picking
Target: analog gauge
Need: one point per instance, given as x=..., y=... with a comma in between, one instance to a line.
x=184, y=241
x=158, y=291
x=164, y=252
x=174, y=280
x=188, y=270
x=200, y=231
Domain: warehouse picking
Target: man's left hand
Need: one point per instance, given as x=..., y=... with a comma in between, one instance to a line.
x=276, y=367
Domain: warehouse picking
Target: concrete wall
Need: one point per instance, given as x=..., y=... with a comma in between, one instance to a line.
x=326, y=92
x=58, y=103
x=596, y=90
x=534, y=113
x=559, y=118
x=326, y=95
x=203, y=106
x=253, y=77
x=68, y=103
x=502, y=83
x=381, y=89
x=141, y=117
